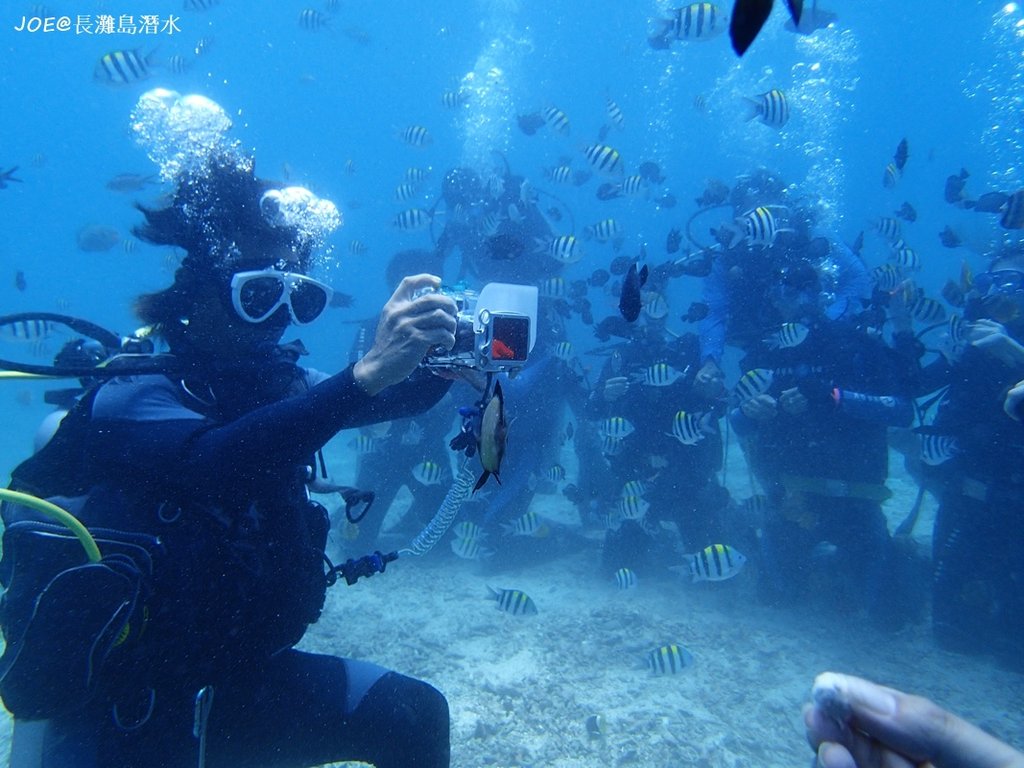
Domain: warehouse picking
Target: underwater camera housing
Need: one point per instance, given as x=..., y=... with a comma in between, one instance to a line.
x=495, y=331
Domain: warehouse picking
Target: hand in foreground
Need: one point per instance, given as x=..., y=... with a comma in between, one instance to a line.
x=992, y=337
x=709, y=382
x=854, y=723
x=408, y=328
x=760, y=408
x=1014, y=400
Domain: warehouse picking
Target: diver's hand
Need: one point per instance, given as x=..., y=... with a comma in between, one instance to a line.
x=709, y=382
x=793, y=401
x=992, y=337
x=407, y=329
x=854, y=723
x=760, y=408
x=615, y=387
x=1014, y=400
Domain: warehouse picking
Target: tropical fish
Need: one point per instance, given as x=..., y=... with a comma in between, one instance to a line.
x=556, y=119
x=428, y=472
x=669, y=659
x=691, y=428
x=790, y=335
x=938, y=449
x=717, y=562
x=625, y=578
x=659, y=375
x=123, y=67
x=470, y=548
x=771, y=107
x=493, y=434
x=633, y=507
x=416, y=136
x=695, y=22
x=514, y=601
x=617, y=427
x=412, y=220
x=630, y=303
x=527, y=525
x=754, y=382
x=564, y=248
x=604, y=159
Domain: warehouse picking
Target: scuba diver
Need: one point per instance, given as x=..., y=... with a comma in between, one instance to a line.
x=174, y=645
x=975, y=455
x=496, y=227
x=812, y=412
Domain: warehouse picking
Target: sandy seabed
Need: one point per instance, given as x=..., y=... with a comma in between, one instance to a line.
x=521, y=688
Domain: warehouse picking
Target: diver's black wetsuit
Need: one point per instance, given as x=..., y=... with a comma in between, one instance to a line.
x=824, y=470
x=216, y=467
x=978, y=587
x=680, y=479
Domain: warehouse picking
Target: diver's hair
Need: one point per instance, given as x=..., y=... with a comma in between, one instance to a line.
x=164, y=310
x=214, y=211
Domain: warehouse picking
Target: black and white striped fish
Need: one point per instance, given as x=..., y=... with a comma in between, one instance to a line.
x=27, y=331
x=717, y=562
x=887, y=277
x=604, y=159
x=754, y=382
x=560, y=174
x=625, y=578
x=514, y=601
x=789, y=335
x=470, y=548
x=556, y=119
x=906, y=257
x=927, y=310
x=691, y=428
x=416, y=136
x=698, y=22
x=526, y=525
x=604, y=230
x=564, y=248
x=669, y=659
x=760, y=227
x=771, y=107
x=615, y=116
x=412, y=220
x=123, y=67
x=659, y=375
x=617, y=427
x=889, y=228
x=633, y=507
x=938, y=449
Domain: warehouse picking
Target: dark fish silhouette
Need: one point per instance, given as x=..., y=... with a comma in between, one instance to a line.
x=629, y=300
x=955, y=187
x=990, y=202
x=672, y=241
x=6, y=176
x=748, y=16
x=599, y=277
x=19, y=281
x=620, y=265
x=811, y=20
x=609, y=191
x=529, y=124
x=949, y=238
x=715, y=193
x=907, y=212
x=651, y=172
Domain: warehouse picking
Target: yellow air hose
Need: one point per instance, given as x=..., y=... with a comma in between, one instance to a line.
x=62, y=516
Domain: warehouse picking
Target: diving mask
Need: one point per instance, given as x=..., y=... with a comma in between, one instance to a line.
x=258, y=294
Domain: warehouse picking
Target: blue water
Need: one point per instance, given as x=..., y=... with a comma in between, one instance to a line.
x=945, y=76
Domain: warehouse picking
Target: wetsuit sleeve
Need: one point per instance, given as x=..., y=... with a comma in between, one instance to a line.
x=284, y=432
